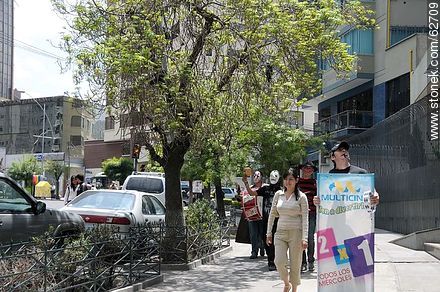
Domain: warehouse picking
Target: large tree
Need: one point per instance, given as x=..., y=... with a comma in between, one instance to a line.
x=172, y=65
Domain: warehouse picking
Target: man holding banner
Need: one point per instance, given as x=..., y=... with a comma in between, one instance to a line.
x=346, y=201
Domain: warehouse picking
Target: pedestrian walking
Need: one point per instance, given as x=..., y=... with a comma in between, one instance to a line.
x=255, y=226
x=291, y=207
x=341, y=164
x=71, y=190
x=82, y=186
x=307, y=185
x=268, y=193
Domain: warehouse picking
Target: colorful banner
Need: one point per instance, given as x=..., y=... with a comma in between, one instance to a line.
x=345, y=233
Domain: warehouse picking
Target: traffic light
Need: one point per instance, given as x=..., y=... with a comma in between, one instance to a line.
x=136, y=151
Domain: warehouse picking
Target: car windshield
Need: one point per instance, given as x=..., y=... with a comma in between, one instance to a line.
x=227, y=191
x=145, y=184
x=104, y=200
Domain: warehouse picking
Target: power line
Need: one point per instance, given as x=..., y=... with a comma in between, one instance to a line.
x=30, y=48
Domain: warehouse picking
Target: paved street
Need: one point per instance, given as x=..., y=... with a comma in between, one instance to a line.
x=53, y=204
x=397, y=269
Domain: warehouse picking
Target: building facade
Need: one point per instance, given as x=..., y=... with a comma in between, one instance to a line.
x=390, y=70
x=62, y=122
x=6, y=48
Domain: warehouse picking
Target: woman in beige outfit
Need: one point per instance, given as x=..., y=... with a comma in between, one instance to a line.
x=292, y=208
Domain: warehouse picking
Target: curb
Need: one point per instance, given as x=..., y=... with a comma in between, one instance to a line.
x=194, y=264
x=139, y=286
x=174, y=267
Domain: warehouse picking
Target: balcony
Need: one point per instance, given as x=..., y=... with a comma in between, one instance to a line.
x=344, y=124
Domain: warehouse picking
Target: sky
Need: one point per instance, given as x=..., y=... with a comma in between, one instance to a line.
x=36, y=24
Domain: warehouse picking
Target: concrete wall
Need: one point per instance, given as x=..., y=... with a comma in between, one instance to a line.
x=397, y=58
x=408, y=216
x=402, y=12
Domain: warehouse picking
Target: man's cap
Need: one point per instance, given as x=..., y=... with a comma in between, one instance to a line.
x=308, y=163
x=342, y=144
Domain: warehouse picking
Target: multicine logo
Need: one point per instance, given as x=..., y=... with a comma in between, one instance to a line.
x=344, y=187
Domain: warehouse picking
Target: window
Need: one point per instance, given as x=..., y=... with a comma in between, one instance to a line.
x=360, y=41
x=109, y=123
x=145, y=184
x=324, y=113
x=398, y=94
x=132, y=119
x=152, y=206
x=104, y=200
x=75, y=121
x=157, y=206
x=11, y=199
x=76, y=140
x=398, y=33
x=361, y=102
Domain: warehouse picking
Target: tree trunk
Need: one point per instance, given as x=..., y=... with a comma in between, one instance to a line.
x=174, y=244
x=219, y=196
x=173, y=195
x=206, y=192
x=191, y=194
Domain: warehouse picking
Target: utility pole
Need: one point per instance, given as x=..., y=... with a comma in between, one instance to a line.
x=42, y=139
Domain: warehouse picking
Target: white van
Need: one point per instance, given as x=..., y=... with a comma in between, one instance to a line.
x=148, y=182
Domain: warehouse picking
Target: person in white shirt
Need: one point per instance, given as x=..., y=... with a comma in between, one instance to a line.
x=71, y=190
x=291, y=207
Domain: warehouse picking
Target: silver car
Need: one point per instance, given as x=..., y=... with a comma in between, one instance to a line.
x=117, y=208
x=23, y=217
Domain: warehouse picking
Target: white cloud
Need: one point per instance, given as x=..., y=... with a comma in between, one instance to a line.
x=38, y=25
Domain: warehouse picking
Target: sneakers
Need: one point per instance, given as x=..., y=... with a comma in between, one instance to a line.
x=253, y=256
x=272, y=267
x=303, y=267
x=262, y=252
x=311, y=267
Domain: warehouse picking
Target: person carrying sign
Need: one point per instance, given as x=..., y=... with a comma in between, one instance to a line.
x=291, y=207
x=256, y=225
x=341, y=164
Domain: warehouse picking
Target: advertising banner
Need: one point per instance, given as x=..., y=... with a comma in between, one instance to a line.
x=345, y=233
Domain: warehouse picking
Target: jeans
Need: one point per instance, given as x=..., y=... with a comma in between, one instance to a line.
x=311, y=241
x=256, y=235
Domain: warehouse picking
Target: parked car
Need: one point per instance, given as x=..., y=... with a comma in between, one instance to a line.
x=151, y=183
x=118, y=208
x=230, y=193
x=154, y=183
x=23, y=217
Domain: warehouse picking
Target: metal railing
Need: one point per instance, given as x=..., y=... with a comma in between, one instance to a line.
x=344, y=120
x=181, y=245
x=102, y=259
x=93, y=261
x=406, y=164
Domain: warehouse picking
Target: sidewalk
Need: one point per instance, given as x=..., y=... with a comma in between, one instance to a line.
x=397, y=269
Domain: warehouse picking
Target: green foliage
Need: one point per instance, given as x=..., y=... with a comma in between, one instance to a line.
x=203, y=226
x=117, y=168
x=200, y=215
x=276, y=145
x=194, y=73
x=24, y=169
x=54, y=168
